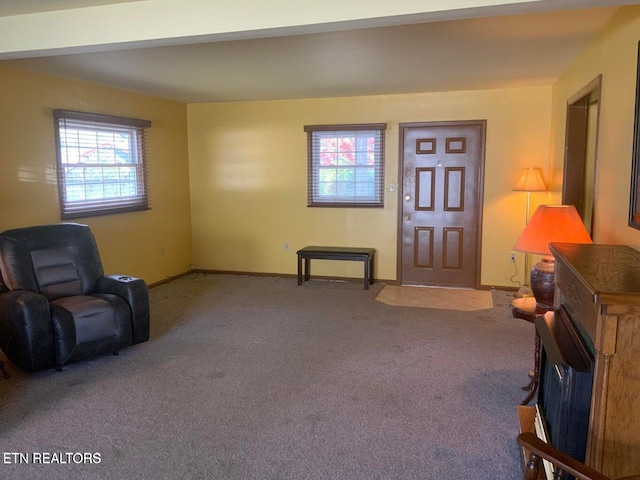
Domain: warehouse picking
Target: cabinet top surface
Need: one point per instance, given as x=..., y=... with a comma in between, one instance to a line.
x=610, y=272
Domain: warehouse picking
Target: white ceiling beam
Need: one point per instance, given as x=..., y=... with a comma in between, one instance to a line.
x=170, y=22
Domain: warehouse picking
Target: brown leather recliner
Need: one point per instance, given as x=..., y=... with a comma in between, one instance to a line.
x=56, y=304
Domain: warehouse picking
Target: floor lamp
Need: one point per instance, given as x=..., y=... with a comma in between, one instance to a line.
x=530, y=180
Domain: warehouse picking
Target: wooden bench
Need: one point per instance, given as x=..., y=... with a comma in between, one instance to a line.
x=365, y=255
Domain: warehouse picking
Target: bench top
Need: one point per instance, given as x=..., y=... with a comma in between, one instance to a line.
x=338, y=250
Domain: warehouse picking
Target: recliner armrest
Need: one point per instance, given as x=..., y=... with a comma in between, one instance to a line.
x=134, y=291
x=26, y=334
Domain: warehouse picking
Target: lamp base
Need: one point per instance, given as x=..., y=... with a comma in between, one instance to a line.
x=524, y=291
x=542, y=284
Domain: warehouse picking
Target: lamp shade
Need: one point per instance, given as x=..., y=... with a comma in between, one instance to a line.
x=530, y=181
x=552, y=223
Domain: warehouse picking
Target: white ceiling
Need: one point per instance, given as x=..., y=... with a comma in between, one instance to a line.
x=21, y=7
x=466, y=53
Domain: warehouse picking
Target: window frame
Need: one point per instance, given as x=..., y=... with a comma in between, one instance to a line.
x=313, y=165
x=136, y=129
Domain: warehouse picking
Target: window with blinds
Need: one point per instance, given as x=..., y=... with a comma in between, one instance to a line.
x=101, y=163
x=345, y=165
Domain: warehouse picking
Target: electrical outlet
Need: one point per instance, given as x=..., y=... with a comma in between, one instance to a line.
x=512, y=256
x=286, y=247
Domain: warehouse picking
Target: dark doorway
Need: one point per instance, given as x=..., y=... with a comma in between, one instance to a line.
x=581, y=142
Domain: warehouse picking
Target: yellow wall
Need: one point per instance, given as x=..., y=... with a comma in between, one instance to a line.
x=614, y=55
x=129, y=243
x=248, y=178
x=246, y=168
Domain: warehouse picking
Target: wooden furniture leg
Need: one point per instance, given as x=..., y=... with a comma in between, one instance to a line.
x=526, y=309
x=536, y=372
x=4, y=372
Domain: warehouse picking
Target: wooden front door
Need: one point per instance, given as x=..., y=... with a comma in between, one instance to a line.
x=442, y=172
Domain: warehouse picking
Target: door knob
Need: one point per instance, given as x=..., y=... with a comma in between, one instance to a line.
x=407, y=198
x=407, y=218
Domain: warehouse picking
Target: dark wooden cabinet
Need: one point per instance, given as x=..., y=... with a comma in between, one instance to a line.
x=598, y=291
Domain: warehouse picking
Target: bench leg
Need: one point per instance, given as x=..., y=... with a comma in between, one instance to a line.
x=371, y=265
x=307, y=268
x=366, y=274
x=299, y=269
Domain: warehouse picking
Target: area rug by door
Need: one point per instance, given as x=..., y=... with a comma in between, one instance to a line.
x=439, y=298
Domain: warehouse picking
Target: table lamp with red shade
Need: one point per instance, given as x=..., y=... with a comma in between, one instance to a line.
x=549, y=223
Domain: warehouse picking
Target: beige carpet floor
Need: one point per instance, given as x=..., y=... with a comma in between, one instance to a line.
x=439, y=298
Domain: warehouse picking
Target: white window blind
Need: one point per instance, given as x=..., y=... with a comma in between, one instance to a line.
x=345, y=165
x=101, y=163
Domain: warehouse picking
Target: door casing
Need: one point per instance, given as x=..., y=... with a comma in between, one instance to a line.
x=581, y=151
